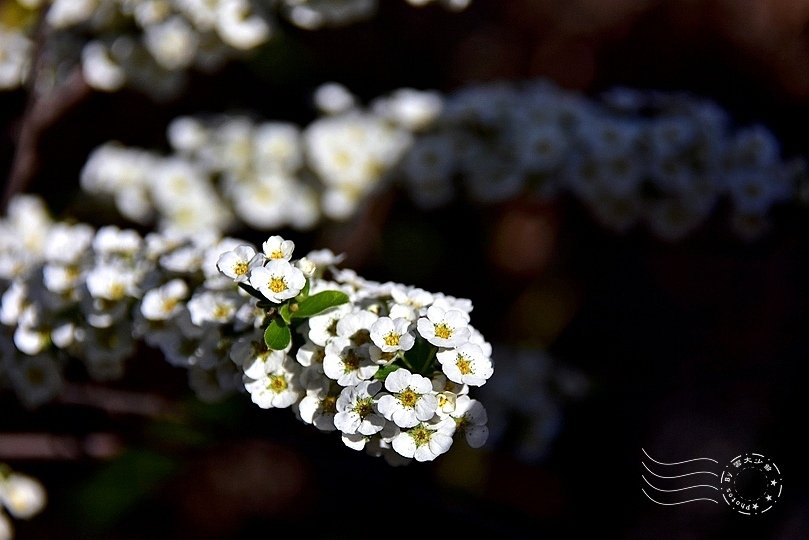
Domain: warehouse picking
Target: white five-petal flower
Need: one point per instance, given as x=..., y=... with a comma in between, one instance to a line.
x=425, y=441
x=276, y=248
x=278, y=281
x=236, y=264
x=444, y=328
x=466, y=365
x=411, y=399
x=391, y=334
x=356, y=410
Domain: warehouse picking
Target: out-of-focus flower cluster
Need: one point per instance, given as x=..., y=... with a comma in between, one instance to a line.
x=663, y=161
x=21, y=496
x=151, y=44
x=526, y=401
x=386, y=365
x=228, y=170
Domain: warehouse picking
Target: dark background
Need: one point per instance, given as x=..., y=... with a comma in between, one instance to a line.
x=695, y=348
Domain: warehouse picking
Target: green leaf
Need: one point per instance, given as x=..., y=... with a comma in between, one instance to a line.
x=104, y=500
x=382, y=373
x=318, y=303
x=285, y=313
x=304, y=292
x=277, y=335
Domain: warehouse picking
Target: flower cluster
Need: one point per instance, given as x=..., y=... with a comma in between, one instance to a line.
x=150, y=45
x=663, y=161
x=21, y=496
x=526, y=401
x=389, y=366
x=386, y=365
x=229, y=169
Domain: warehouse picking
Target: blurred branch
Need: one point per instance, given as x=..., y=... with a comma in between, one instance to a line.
x=15, y=446
x=43, y=110
x=115, y=401
x=42, y=113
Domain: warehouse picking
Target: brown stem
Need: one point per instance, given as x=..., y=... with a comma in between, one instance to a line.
x=28, y=446
x=42, y=113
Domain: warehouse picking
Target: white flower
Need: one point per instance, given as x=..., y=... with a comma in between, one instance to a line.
x=15, y=58
x=276, y=248
x=173, y=42
x=278, y=147
x=470, y=421
x=444, y=328
x=278, y=388
x=319, y=407
x=67, y=244
x=36, y=379
x=99, y=68
x=165, y=301
x=112, y=241
x=238, y=27
x=22, y=495
x=466, y=364
x=323, y=327
x=236, y=264
x=392, y=334
x=278, y=281
x=413, y=109
x=212, y=306
x=6, y=530
x=411, y=399
x=111, y=282
x=356, y=411
x=425, y=442
x=347, y=364
x=333, y=98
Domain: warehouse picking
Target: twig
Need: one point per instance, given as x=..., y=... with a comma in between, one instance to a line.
x=25, y=446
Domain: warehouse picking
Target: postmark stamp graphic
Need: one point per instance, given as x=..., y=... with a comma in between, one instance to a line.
x=751, y=483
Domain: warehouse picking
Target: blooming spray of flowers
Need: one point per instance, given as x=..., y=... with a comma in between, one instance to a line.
x=387, y=365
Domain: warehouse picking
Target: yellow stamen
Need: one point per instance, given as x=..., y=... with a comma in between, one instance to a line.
x=443, y=331
x=277, y=285
x=464, y=364
x=392, y=339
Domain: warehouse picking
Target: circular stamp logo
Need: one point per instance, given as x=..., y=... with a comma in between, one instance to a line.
x=751, y=483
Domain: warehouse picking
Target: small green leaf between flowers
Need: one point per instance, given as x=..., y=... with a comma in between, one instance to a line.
x=318, y=303
x=277, y=335
x=285, y=313
x=304, y=292
x=383, y=372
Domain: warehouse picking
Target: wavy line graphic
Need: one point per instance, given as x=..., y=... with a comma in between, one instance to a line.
x=680, y=502
x=678, y=462
x=679, y=475
x=678, y=489
x=675, y=476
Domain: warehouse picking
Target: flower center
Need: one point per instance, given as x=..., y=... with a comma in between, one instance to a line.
x=329, y=404
x=351, y=362
x=443, y=331
x=278, y=383
x=277, y=284
x=240, y=268
x=408, y=397
x=277, y=254
x=464, y=365
x=421, y=435
x=364, y=407
x=392, y=339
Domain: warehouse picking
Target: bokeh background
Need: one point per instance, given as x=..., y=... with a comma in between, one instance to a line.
x=690, y=348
